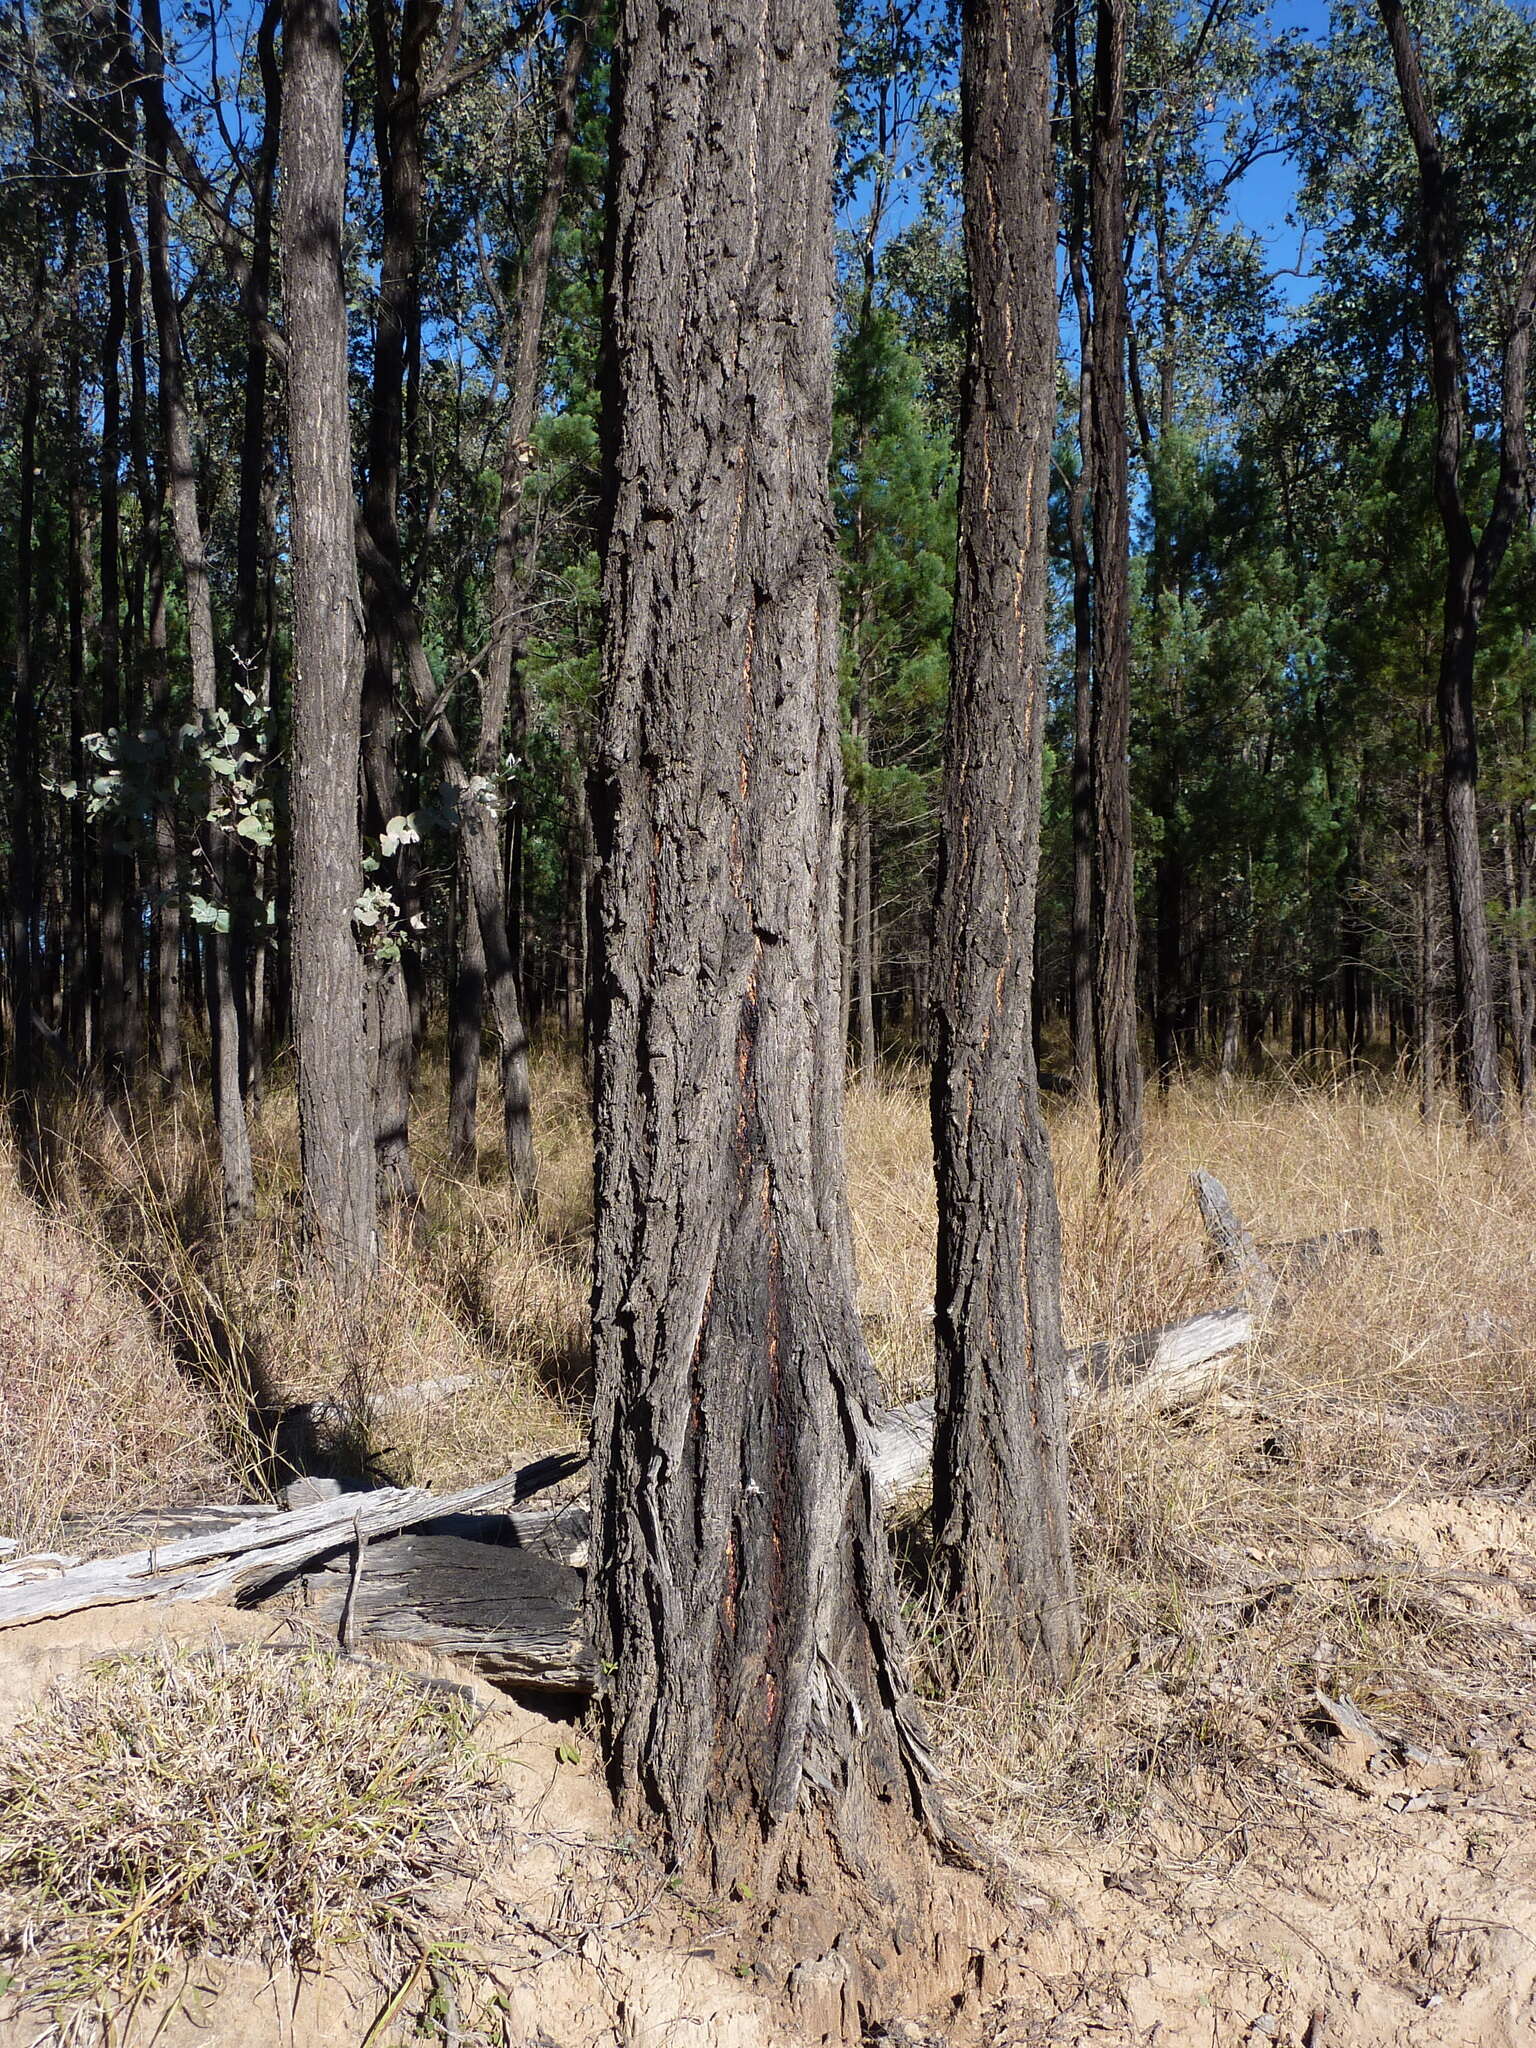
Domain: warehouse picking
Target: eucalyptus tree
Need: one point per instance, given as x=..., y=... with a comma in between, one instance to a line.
x=1116, y=1049
x=755, y=1714
x=1002, y=1538
x=330, y=994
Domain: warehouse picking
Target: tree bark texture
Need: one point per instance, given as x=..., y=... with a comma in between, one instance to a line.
x=397, y=318
x=1079, y=502
x=116, y=1034
x=329, y=982
x=1117, y=1054
x=755, y=1711
x=1002, y=1548
x=224, y=1011
x=1472, y=561
x=502, y=697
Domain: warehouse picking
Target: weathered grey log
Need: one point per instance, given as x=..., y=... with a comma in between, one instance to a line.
x=1236, y=1253
x=1161, y=1369
x=224, y=1562
x=1303, y=1258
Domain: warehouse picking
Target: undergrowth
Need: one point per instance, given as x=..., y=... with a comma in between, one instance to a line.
x=232, y=1803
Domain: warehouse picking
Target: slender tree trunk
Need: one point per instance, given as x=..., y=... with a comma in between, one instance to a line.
x=397, y=130
x=1117, y=1055
x=1427, y=955
x=1079, y=502
x=22, y=933
x=863, y=904
x=464, y=1027
x=117, y=1035
x=754, y=1709
x=152, y=670
x=329, y=981
x=477, y=837
x=503, y=707
x=1002, y=1548
x=77, y=949
x=1472, y=561
x=236, y=1170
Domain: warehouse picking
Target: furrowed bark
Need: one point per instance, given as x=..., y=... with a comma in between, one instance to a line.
x=503, y=705
x=756, y=1717
x=1079, y=502
x=116, y=1035
x=1117, y=1055
x=397, y=131
x=329, y=983
x=1472, y=561
x=1002, y=1548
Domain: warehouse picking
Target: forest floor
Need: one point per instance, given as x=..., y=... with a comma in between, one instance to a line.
x=1288, y=1800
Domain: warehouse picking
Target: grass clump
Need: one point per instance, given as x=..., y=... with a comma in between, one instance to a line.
x=234, y=1803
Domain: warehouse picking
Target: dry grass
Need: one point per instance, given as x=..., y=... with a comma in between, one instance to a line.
x=233, y=1803
x=94, y=1416
x=1396, y=1378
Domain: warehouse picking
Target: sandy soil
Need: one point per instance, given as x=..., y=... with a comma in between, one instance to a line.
x=1379, y=1893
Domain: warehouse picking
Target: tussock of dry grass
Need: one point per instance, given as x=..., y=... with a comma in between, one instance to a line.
x=94, y=1416
x=234, y=1803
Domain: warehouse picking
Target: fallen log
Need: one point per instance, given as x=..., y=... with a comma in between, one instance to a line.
x=222, y=1563
x=1155, y=1369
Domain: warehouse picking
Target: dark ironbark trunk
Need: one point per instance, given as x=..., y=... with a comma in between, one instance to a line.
x=329, y=982
x=1002, y=1548
x=1472, y=561
x=117, y=1036
x=465, y=1017
x=755, y=1713
x=503, y=708
x=152, y=669
x=236, y=1171
x=1079, y=501
x=23, y=806
x=397, y=133
x=1117, y=1054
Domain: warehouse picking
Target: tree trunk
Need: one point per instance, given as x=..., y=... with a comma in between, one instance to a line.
x=465, y=1020
x=238, y=1177
x=1472, y=561
x=329, y=982
x=1079, y=501
x=502, y=698
x=397, y=133
x=154, y=673
x=21, y=936
x=1118, y=1057
x=1002, y=1548
x=755, y=1713
x=117, y=1035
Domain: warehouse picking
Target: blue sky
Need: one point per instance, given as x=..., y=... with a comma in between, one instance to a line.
x=1266, y=198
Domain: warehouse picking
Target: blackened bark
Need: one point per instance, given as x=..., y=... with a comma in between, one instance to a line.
x=236, y=1171
x=23, y=807
x=154, y=673
x=397, y=132
x=755, y=1712
x=1472, y=561
x=466, y=1012
x=502, y=703
x=1002, y=1548
x=329, y=983
x=1079, y=500
x=1117, y=1054
x=118, y=1016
